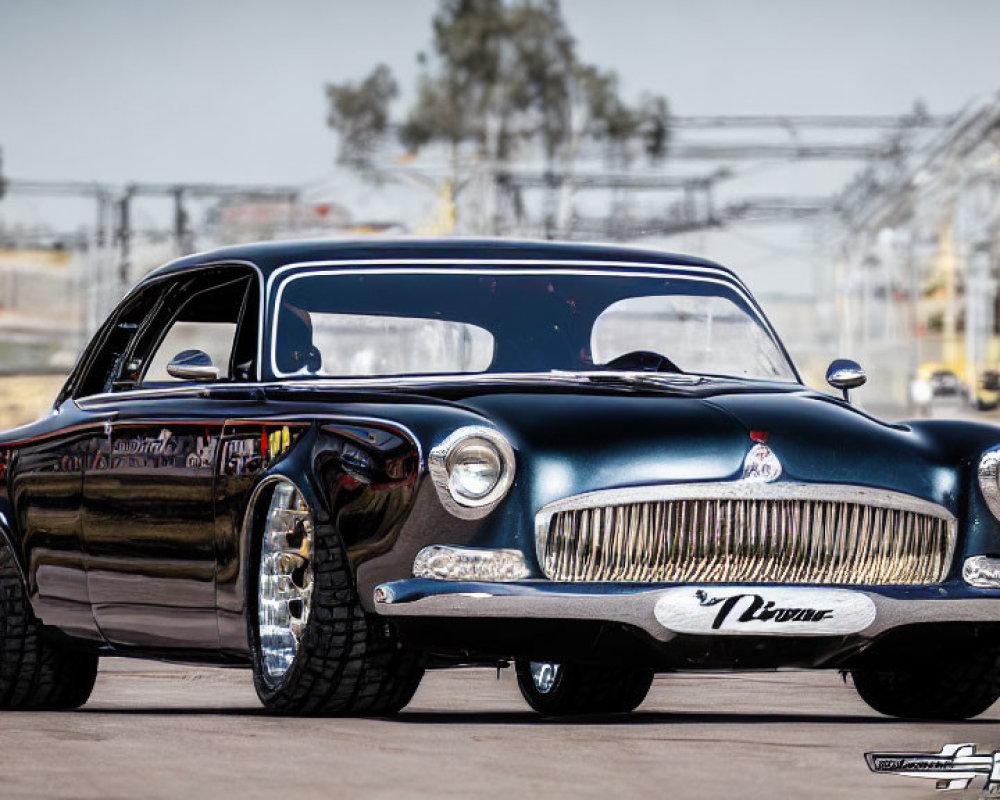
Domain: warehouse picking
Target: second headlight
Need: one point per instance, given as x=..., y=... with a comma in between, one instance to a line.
x=472, y=470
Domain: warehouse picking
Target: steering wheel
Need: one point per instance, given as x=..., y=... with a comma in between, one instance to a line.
x=643, y=361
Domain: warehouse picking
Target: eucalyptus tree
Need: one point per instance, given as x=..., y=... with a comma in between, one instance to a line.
x=504, y=82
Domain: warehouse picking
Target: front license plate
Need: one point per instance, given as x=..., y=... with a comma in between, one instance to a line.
x=763, y=611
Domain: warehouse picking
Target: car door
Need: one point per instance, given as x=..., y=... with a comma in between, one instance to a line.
x=44, y=465
x=149, y=500
x=45, y=474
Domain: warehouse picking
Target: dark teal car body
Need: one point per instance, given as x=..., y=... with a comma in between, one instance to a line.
x=134, y=510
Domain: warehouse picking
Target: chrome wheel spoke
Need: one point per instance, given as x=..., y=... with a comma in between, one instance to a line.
x=285, y=581
x=543, y=675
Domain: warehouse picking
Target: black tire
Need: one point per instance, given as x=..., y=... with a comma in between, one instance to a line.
x=35, y=672
x=951, y=687
x=586, y=689
x=348, y=663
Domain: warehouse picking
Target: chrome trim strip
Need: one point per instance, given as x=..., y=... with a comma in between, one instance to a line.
x=636, y=606
x=742, y=490
x=280, y=419
x=493, y=262
x=421, y=381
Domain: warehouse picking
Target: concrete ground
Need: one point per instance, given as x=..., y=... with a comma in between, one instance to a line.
x=154, y=730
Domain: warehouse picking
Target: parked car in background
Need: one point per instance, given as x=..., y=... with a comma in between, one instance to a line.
x=341, y=464
x=938, y=388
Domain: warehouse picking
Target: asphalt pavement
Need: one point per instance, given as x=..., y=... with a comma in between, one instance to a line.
x=155, y=730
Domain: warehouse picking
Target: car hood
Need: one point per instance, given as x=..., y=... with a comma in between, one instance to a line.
x=573, y=443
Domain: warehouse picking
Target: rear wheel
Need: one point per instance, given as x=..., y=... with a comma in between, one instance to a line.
x=559, y=689
x=947, y=687
x=315, y=651
x=35, y=672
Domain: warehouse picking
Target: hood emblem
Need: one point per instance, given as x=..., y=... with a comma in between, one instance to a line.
x=761, y=465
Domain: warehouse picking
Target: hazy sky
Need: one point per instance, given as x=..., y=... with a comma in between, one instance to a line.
x=232, y=90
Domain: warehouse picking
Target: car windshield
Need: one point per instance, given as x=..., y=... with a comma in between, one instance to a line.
x=435, y=321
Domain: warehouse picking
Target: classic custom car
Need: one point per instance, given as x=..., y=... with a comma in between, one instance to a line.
x=341, y=464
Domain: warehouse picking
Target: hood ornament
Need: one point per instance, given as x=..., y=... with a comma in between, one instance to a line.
x=761, y=465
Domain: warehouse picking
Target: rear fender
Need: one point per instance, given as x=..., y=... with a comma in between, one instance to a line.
x=9, y=537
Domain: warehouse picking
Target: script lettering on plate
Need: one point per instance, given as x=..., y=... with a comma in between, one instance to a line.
x=764, y=610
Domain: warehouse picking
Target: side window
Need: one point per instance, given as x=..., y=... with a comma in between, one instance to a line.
x=105, y=357
x=214, y=310
x=213, y=338
x=204, y=315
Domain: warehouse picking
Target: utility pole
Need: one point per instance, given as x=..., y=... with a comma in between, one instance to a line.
x=181, y=237
x=124, y=236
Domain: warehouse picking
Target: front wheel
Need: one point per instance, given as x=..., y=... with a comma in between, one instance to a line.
x=559, y=689
x=315, y=650
x=944, y=687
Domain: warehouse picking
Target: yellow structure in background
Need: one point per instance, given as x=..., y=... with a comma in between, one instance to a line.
x=47, y=257
x=940, y=308
x=441, y=222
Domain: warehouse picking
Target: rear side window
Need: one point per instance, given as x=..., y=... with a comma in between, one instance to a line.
x=215, y=310
x=105, y=358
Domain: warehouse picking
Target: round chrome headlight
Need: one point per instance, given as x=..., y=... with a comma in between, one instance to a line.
x=989, y=480
x=472, y=470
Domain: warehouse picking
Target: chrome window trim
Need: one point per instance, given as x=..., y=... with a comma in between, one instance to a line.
x=499, y=378
x=743, y=490
x=437, y=464
x=730, y=277
x=488, y=266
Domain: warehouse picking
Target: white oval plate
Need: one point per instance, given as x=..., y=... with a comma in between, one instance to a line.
x=764, y=610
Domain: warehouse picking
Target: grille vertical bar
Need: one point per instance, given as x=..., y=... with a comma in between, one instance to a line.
x=732, y=539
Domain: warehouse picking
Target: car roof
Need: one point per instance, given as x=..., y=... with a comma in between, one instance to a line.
x=271, y=256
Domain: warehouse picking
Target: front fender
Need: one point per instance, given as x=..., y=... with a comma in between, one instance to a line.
x=963, y=444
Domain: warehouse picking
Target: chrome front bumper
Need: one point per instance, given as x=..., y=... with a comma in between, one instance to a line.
x=664, y=612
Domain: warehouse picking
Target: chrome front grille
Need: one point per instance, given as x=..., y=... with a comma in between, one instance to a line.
x=746, y=533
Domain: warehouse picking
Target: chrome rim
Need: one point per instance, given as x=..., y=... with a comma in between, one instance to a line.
x=284, y=588
x=543, y=675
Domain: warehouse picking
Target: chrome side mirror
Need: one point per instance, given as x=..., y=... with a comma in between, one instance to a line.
x=193, y=365
x=845, y=375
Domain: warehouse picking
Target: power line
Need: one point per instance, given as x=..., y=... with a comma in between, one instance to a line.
x=824, y=121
